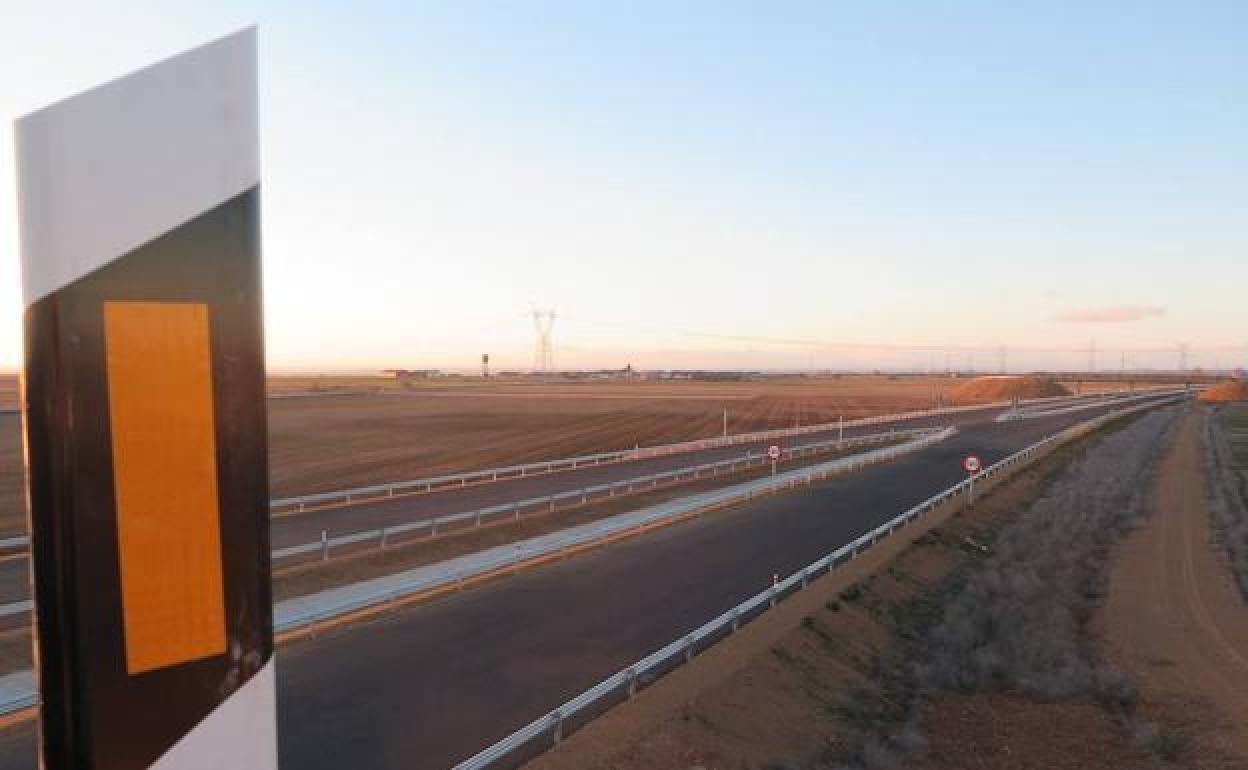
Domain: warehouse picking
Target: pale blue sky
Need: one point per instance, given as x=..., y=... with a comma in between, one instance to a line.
x=912, y=173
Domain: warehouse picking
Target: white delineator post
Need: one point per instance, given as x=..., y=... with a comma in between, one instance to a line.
x=144, y=418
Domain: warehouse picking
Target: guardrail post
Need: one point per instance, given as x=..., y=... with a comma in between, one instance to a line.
x=516, y=508
x=584, y=496
x=383, y=537
x=389, y=491
x=805, y=577
x=557, y=718
x=771, y=600
x=552, y=503
x=478, y=517
x=688, y=648
x=299, y=507
x=736, y=620
x=433, y=528
x=632, y=683
x=324, y=545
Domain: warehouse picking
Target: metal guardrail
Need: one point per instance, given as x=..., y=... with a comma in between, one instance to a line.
x=383, y=536
x=1033, y=412
x=17, y=692
x=624, y=684
x=16, y=608
x=399, y=488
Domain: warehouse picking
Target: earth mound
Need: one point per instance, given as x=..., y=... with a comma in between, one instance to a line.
x=1005, y=388
x=1236, y=390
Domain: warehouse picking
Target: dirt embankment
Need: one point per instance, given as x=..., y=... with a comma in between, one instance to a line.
x=987, y=389
x=1175, y=622
x=854, y=676
x=1226, y=393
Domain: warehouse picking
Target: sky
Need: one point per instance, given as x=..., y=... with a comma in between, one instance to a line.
x=715, y=184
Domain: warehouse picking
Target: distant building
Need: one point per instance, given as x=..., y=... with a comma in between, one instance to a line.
x=709, y=376
x=412, y=374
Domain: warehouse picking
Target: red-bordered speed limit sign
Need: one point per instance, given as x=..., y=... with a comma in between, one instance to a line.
x=773, y=452
x=971, y=464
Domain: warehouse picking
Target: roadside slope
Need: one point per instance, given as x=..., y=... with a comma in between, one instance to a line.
x=1173, y=618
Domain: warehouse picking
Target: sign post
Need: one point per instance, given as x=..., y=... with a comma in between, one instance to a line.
x=144, y=412
x=773, y=452
x=972, y=466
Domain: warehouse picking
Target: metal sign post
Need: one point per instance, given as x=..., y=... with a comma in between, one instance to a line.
x=773, y=452
x=144, y=413
x=972, y=466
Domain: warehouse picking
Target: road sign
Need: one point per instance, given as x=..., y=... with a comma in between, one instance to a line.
x=145, y=418
x=971, y=464
x=773, y=452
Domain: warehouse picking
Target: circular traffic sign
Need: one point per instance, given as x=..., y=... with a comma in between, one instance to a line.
x=971, y=464
x=773, y=452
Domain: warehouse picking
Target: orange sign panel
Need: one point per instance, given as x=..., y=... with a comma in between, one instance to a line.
x=159, y=361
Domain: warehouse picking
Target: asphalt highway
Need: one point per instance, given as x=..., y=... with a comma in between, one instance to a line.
x=430, y=685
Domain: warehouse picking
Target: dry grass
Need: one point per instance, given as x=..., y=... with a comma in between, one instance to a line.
x=1226, y=468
